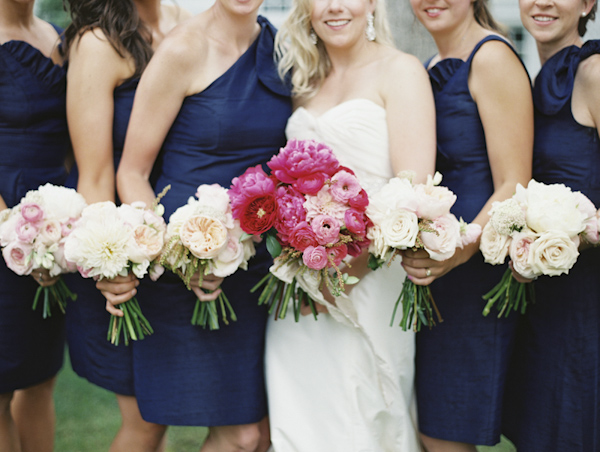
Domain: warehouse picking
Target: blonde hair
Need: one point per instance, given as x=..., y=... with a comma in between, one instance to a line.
x=309, y=63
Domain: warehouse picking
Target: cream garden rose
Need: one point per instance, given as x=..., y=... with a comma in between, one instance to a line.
x=203, y=236
x=493, y=246
x=554, y=253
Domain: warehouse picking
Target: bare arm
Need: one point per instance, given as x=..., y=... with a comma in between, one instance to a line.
x=500, y=87
x=2, y=204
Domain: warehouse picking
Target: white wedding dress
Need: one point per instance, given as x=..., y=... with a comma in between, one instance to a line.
x=345, y=386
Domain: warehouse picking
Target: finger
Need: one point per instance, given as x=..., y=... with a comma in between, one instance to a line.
x=116, y=299
x=203, y=296
x=117, y=288
x=211, y=285
x=422, y=281
x=49, y=282
x=113, y=310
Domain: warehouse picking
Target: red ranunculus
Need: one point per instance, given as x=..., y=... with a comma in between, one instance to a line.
x=360, y=201
x=338, y=253
x=258, y=215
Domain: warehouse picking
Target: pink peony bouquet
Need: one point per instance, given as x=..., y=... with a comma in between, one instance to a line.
x=112, y=241
x=33, y=235
x=540, y=228
x=407, y=215
x=203, y=237
x=313, y=213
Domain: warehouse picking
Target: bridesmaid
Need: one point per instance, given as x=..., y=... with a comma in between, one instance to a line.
x=109, y=43
x=222, y=109
x=34, y=142
x=554, y=404
x=485, y=140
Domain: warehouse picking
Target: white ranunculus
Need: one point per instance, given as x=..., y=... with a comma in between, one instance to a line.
x=553, y=207
x=519, y=250
x=553, y=253
x=442, y=244
x=493, y=246
x=400, y=229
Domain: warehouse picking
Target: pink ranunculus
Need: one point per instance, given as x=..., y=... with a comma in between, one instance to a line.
x=326, y=229
x=355, y=222
x=32, y=212
x=155, y=272
x=302, y=236
x=253, y=183
x=18, y=257
x=290, y=210
x=360, y=201
x=26, y=231
x=441, y=246
x=338, y=253
x=68, y=226
x=587, y=208
x=315, y=257
x=300, y=158
x=344, y=186
x=84, y=272
x=311, y=184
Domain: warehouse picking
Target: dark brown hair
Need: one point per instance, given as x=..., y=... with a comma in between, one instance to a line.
x=582, y=27
x=484, y=18
x=119, y=21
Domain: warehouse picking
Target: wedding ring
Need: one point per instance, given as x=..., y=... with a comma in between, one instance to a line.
x=41, y=276
x=428, y=272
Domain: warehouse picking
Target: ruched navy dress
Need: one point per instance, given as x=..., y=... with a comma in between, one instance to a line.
x=461, y=363
x=34, y=141
x=184, y=374
x=92, y=356
x=553, y=401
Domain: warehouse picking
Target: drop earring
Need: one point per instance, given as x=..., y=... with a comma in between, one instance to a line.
x=313, y=37
x=370, y=30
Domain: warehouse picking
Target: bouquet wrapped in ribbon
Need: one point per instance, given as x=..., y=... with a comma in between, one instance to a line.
x=540, y=228
x=202, y=237
x=312, y=211
x=33, y=235
x=407, y=215
x=112, y=241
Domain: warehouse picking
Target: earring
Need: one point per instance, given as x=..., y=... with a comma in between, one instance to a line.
x=313, y=37
x=583, y=14
x=370, y=30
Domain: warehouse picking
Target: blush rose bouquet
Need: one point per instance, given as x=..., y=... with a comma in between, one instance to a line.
x=203, y=237
x=33, y=235
x=540, y=228
x=407, y=215
x=111, y=241
x=312, y=211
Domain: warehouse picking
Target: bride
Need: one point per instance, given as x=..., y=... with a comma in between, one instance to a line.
x=336, y=385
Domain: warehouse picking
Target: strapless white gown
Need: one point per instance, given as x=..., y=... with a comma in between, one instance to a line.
x=345, y=386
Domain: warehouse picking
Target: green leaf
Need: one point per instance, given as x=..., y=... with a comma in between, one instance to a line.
x=350, y=279
x=273, y=246
x=374, y=262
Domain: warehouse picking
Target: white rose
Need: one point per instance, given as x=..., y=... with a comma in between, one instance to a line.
x=377, y=247
x=442, y=243
x=493, y=246
x=213, y=196
x=553, y=253
x=400, y=229
x=433, y=201
x=519, y=251
x=50, y=232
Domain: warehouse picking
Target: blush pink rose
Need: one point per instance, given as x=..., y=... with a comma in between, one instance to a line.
x=50, y=232
x=326, y=229
x=32, y=212
x=149, y=240
x=442, y=244
x=344, y=186
x=315, y=257
x=18, y=257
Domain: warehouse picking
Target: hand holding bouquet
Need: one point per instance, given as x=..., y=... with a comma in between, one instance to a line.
x=540, y=228
x=202, y=237
x=407, y=216
x=110, y=241
x=313, y=213
x=33, y=235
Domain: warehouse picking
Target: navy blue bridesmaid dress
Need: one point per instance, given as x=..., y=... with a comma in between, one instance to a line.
x=553, y=401
x=461, y=363
x=34, y=141
x=92, y=356
x=184, y=374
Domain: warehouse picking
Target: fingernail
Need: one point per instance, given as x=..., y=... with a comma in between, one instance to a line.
x=137, y=282
x=409, y=277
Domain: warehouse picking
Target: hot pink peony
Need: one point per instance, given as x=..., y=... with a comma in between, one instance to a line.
x=301, y=158
x=311, y=184
x=253, y=183
x=290, y=211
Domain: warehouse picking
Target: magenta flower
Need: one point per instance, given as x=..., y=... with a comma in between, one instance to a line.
x=355, y=222
x=32, y=212
x=326, y=229
x=360, y=201
x=301, y=158
x=252, y=184
x=338, y=253
x=302, y=236
x=290, y=210
x=344, y=186
x=311, y=184
x=315, y=257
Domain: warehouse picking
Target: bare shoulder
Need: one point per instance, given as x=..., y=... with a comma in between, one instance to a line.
x=496, y=58
x=176, y=13
x=399, y=68
x=184, y=46
x=588, y=74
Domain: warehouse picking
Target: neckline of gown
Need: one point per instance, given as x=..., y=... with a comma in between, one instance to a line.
x=338, y=106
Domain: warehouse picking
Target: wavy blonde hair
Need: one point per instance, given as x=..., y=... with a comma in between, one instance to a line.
x=308, y=63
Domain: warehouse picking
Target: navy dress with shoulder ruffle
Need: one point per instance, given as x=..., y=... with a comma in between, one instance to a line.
x=184, y=374
x=461, y=363
x=553, y=401
x=34, y=141
x=93, y=357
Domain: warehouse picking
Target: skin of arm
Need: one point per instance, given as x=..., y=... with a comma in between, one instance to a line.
x=500, y=87
x=159, y=90
x=2, y=204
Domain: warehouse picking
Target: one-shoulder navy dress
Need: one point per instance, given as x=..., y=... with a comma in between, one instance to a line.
x=461, y=363
x=553, y=401
x=92, y=356
x=34, y=141
x=184, y=374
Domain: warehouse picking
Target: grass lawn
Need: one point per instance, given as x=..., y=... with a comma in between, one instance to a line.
x=88, y=419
